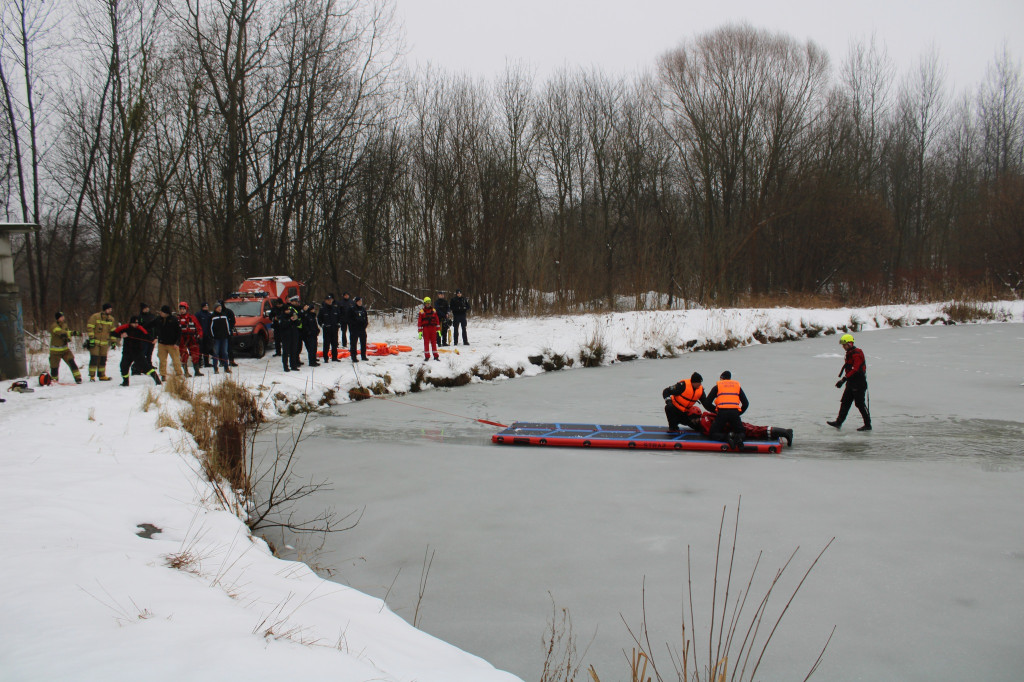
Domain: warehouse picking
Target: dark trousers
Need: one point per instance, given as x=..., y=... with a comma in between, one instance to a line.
x=291, y=343
x=278, y=340
x=676, y=417
x=854, y=395
x=330, y=343
x=310, y=342
x=726, y=421
x=442, y=336
x=206, y=348
x=136, y=362
x=344, y=334
x=357, y=337
x=455, y=332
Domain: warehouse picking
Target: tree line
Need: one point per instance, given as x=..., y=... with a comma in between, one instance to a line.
x=170, y=149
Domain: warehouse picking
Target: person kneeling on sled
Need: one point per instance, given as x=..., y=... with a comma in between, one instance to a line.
x=429, y=324
x=730, y=402
x=681, y=400
x=135, y=350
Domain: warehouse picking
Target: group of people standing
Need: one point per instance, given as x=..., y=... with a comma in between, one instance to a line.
x=438, y=318
x=298, y=324
x=182, y=337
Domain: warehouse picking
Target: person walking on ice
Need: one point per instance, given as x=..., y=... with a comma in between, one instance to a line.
x=855, y=375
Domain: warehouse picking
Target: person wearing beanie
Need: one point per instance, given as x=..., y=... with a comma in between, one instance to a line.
x=135, y=351
x=357, y=324
x=98, y=330
x=730, y=402
x=60, y=349
x=220, y=338
x=168, y=334
x=681, y=401
x=148, y=321
x=428, y=325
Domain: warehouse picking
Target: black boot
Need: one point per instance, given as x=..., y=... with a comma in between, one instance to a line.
x=784, y=433
x=124, y=382
x=195, y=366
x=866, y=427
x=156, y=378
x=838, y=424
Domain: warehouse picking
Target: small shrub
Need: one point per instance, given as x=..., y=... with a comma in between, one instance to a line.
x=417, y=381
x=328, y=397
x=451, y=382
x=359, y=393
x=165, y=420
x=593, y=352
x=965, y=311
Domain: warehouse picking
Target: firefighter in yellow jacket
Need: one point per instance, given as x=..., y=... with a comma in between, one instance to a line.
x=98, y=329
x=60, y=349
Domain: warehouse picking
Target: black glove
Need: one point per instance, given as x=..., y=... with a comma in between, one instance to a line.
x=666, y=393
x=839, y=384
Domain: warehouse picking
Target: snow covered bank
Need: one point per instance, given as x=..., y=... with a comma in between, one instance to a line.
x=84, y=468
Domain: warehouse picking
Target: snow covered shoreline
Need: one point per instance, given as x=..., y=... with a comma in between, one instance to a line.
x=88, y=598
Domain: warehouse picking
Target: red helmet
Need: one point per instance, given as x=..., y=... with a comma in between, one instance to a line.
x=183, y=304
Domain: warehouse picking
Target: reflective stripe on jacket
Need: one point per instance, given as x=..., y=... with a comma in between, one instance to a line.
x=99, y=327
x=728, y=397
x=689, y=396
x=60, y=336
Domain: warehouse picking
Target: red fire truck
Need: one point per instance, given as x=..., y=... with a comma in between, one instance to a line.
x=252, y=305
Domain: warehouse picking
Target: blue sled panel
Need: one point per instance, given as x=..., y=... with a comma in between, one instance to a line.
x=620, y=436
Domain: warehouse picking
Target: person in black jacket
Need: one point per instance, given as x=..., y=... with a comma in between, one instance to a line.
x=290, y=323
x=310, y=333
x=329, y=318
x=206, y=343
x=135, y=350
x=357, y=323
x=276, y=311
x=344, y=313
x=444, y=313
x=168, y=333
x=148, y=321
x=231, y=321
x=460, y=306
x=220, y=333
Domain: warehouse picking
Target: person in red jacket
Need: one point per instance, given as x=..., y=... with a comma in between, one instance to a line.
x=191, y=335
x=429, y=323
x=855, y=375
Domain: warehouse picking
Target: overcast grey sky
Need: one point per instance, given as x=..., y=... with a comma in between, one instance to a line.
x=621, y=36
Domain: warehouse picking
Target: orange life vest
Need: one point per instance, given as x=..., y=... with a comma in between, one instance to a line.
x=728, y=397
x=689, y=396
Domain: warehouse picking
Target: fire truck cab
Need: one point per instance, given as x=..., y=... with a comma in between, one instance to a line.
x=252, y=305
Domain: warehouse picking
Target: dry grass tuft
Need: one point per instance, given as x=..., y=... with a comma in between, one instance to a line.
x=593, y=352
x=960, y=312
x=219, y=422
x=150, y=400
x=165, y=420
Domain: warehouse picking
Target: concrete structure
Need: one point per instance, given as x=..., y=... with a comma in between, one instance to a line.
x=12, y=325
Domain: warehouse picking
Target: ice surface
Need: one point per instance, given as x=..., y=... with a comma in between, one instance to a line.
x=925, y=580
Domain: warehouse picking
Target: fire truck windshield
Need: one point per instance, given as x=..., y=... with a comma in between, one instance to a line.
x=246, y=308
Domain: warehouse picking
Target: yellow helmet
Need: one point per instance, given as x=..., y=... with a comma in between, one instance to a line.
x=426, y=299
x=846, y=338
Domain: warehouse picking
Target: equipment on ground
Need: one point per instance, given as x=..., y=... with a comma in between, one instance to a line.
x=45, y=379
x=20, y=387
x=623, y=436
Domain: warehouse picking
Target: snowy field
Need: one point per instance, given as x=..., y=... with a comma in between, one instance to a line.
x=924, y=580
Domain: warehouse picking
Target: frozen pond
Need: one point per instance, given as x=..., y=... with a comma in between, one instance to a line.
x=925, y=580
